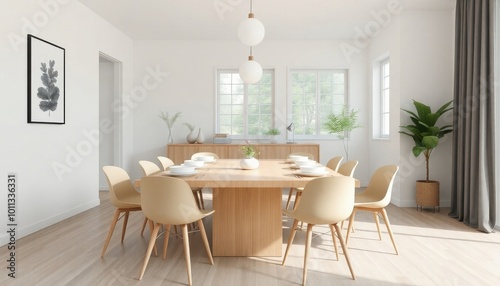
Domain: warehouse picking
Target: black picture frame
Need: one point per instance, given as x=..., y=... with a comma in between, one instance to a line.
x=46, y=82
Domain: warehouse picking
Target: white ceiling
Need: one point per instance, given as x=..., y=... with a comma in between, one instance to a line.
x=283, y=19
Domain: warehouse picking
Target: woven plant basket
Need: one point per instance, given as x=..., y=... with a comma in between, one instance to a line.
x=427, y=194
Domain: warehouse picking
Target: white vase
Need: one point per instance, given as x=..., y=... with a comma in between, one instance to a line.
x=249, y=163
x=191, y=137
x=273, y=139
x=200, y=139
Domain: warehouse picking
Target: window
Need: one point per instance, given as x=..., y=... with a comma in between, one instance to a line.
x=381, y=98
x=244, y=110
x=312, y=96
x=384, y=98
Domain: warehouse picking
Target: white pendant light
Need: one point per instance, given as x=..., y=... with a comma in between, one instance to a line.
x=251, y=31
x=250, y=71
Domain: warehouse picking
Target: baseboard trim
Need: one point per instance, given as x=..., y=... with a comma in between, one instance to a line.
x=27, y=230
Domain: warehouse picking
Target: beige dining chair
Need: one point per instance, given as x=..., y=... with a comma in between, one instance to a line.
x=333, y=164
x=348, y=168
x=165, y=162
x=375, y=198
x=123, y=197
x=148, y=168
x=290, y=193
x=198, y=192
x=326, y=200
x=169, y=201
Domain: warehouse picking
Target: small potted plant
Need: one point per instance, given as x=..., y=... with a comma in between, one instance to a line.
x=426, y=135
x=273, y=134
x=249, y=162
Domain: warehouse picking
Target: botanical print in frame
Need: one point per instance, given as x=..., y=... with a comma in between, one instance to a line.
x=46, y=93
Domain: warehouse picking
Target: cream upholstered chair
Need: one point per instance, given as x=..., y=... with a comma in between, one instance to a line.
x=332, y=164
x=198, y=192
x=169, y=201
x=148, y=168
x=165, y=162
x=290, y=193
x=326, y=200
x=124, y=198
x=375, y=198
x=348, y=168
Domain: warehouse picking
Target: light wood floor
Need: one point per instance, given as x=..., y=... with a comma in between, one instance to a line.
x=434, y=250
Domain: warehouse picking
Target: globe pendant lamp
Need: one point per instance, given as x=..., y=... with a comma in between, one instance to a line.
x=250, y=71
x=251, y=31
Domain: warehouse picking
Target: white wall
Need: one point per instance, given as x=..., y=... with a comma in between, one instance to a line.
x=190, y=88
x=426, y=69
x=32, y=149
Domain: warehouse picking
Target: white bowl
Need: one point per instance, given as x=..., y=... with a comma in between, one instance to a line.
x=307, y=162
x=205, y=158
x=297, y=157
x=313, y=169
x=180, y=169
x=194, y=163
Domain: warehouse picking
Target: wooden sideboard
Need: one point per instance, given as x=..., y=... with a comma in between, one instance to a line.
x=180, y=152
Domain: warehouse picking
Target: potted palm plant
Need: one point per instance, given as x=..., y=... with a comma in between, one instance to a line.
x=426, y=135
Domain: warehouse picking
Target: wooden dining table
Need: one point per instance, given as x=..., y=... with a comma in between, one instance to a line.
x=248, y=204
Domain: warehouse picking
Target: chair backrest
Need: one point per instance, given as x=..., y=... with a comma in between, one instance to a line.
x=348, y=168
x=326, y=200
x=120, y=186
x=334, y=163
x=379, y=188
x=309, y=155
x=168, y=200
x=193, y=157
x=148, y=167
x=165, y=162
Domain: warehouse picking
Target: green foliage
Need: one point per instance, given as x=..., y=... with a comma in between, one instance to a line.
x=273, y=131
x=169, y=120
x=49, y=94
x=249, y=151
x=423, y=131
x=342, y=124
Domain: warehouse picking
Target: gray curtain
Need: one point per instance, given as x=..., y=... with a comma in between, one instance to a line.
x=473, y=198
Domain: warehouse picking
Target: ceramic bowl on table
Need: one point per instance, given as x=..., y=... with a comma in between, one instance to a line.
x=194, y=163
x=318, y=169
x=181, y=169
x=205, y=158
x=293, y=158
x=300, y=163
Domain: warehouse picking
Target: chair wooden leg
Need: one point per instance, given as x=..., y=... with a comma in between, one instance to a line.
x=125, y=221
x=187, y=255
x=306, y=253
x=196, y=198
x=110, y=232
x=298, y=195
x=388, y=225
x=144, y=225
x=201, y=199
x=377, y=223
x=289, y=198
x=349, y=227
x=293, y=230
x=152, y=242
x=334, y=238
x=205, y=241
x=165, y=240
x=344, y=248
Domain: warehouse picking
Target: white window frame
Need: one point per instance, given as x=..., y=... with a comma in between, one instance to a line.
x=245, y=134
x=317, y=135
x=378, y=101
x=385, y=102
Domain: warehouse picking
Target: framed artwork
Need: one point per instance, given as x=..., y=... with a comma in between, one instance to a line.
x=46, y=72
